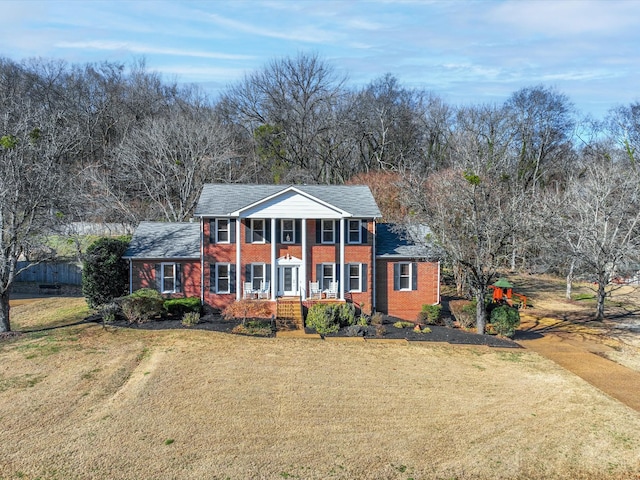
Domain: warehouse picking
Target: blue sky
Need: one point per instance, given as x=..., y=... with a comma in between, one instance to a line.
x=464, y=51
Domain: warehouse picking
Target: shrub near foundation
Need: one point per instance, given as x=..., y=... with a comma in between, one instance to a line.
x=328, y=318
x=180, y=306
x=142, y=305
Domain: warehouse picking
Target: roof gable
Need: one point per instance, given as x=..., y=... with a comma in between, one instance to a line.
x=222, y=200
x=291, y=203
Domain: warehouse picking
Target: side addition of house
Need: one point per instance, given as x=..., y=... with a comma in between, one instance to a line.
x=310, y=242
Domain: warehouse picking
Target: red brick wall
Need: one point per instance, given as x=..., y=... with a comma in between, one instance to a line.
x=317, y=253
x=144, y=276
x=406, y=304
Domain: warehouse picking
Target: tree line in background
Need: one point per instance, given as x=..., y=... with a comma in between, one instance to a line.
x=527, y=184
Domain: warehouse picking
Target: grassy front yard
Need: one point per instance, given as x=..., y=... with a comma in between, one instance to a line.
x=84, y=402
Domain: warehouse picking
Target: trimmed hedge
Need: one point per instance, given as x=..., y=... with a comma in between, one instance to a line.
x=180, y=306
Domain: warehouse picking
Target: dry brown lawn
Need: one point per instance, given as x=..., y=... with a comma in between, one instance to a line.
x=558, y=315
x=84, y=402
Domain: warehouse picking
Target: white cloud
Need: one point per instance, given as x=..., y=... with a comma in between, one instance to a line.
x=145, y=49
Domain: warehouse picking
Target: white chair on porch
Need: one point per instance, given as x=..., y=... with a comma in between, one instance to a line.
x=249, y=292
x=264, y=291
x=314, y=290
x=332, y=291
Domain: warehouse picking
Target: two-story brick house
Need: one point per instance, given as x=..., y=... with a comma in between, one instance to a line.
x=274, y=241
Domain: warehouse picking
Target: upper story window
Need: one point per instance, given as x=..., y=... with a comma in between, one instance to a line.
x=222, y=230
x=328, y=231
x=355, y=231
x=257, y=230
x=288, y=229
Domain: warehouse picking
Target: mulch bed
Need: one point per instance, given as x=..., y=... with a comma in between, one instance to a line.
x=213, y=322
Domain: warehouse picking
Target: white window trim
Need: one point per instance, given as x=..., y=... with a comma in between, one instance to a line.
x=162, y=277
x=349, y=231
x=400, y=277
x=359, y=265
x=333, y=274
x=333, y=232
x=293, y=231
x=218, y=230
x=253, y=276
x=264, y=230
x=228, y=277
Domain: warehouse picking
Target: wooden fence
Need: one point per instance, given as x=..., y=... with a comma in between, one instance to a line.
x=51, y=273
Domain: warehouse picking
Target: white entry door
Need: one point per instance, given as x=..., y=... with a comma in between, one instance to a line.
x=288, y=283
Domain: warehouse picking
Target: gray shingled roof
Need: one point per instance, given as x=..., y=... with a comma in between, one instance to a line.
x=395, y=243
x=222, y=199
x=165, y=240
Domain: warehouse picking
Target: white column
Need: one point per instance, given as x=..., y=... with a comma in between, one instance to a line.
x=303, y=269
x=274, y=271
x=373, y=265
x=239, y=285
x=342, y=273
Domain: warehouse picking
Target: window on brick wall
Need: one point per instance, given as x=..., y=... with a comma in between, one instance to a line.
x=328, y=231
x=357, y=277
x=288, y=229
x=405, y=276
x=325, y=274
x=355, y=231
x=222, y=230
x=222, y=278
x=257, y=230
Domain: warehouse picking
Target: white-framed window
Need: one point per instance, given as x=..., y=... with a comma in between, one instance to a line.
x=355, y=277
x=257, y=230
x=404, y=276
x=328, y=231
x=354, y=231
x=223, y=278
x=328, y=271
x=288, y=231
x=168, y=277
x=258, y=273
x=222, y=230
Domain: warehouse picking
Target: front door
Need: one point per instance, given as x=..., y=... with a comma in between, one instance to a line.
x=288, y=283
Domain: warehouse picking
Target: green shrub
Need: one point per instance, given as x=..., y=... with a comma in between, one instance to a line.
x=430, y=314
x=346, y=313
x=180, y=306
x=404, y=324
x=105, y=274
x=322, y=318
x=363, y=321
x=190, y=318
x=505, y=320
x=142, y=305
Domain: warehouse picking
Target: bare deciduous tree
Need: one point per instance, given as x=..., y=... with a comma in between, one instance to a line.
x=33, y=145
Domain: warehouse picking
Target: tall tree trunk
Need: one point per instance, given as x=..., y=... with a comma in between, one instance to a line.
x=481, y=312
x=570, y=279
x=4, y=312
x=601, y=296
